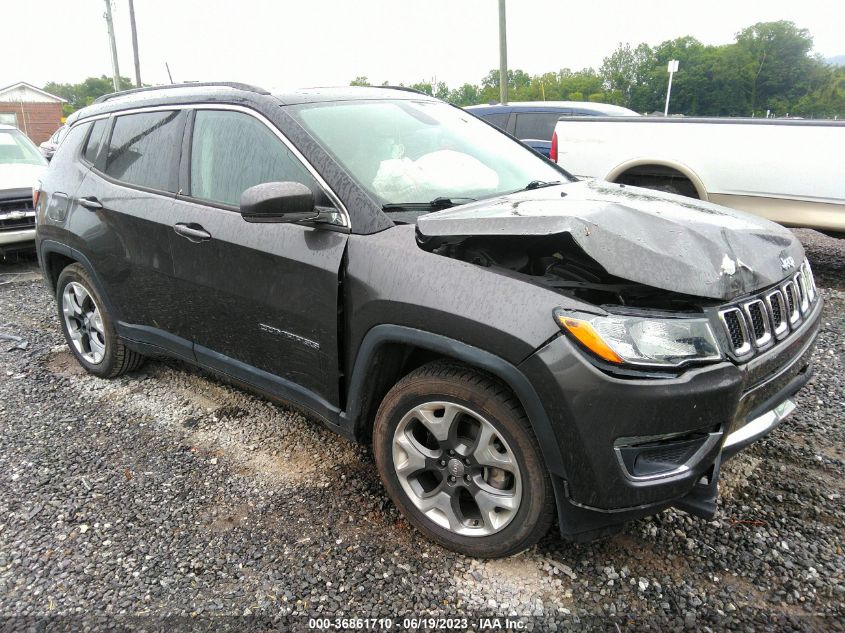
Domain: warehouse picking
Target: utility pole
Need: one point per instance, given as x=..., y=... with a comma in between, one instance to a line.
x=672, y=68
x=135, y=43
x=503, y=54
x=114, y=66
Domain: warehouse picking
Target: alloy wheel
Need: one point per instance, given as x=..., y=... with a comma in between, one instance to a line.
x=457, y=469
x=84, y=322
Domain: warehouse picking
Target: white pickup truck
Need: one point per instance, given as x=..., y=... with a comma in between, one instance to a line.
x=790, y=171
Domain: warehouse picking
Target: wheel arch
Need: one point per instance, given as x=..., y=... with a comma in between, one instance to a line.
x=684, y=170
x=388, y=352
x=55, y=257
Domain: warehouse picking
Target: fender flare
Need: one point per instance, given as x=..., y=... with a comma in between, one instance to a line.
x=49, y=246
x=685, y=170
x=508, y=373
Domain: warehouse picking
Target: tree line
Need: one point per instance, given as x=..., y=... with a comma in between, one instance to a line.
x=767, y=69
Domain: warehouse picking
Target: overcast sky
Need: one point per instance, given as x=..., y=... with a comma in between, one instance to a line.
x=288, y=43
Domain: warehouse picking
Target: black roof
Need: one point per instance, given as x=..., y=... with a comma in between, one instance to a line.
x=230, y=92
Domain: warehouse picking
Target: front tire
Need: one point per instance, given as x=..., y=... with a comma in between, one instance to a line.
x=88, y=327
x=457, y=456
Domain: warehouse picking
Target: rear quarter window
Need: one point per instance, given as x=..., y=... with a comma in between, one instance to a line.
x=95, y=141
x=536, y=125
x=143, y=149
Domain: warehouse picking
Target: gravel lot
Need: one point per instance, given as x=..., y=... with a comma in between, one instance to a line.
x=169, y=493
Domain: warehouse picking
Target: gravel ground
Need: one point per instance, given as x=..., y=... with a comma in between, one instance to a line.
x=170, y=494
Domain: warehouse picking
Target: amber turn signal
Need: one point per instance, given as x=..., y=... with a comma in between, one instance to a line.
x=588, y=337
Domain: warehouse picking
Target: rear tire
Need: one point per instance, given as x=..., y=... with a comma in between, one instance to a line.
x=457, y=456
x=88, y=327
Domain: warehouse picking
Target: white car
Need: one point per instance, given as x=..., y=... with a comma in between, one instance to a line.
x=21, y=167
x=790, y=171
x=49, y=147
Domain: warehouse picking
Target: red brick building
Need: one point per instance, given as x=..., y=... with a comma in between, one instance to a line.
x=36, y=113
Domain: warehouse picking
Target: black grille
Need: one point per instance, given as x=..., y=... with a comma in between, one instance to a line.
x=789, y=291
x=13, y=223
x=777, y=317
x=757, y=323
x=735, y=328
x=16, y=204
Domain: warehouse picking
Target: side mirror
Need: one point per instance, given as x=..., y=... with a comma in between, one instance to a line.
x=278, y=202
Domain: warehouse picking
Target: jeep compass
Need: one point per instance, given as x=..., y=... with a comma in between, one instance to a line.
x=517, y=345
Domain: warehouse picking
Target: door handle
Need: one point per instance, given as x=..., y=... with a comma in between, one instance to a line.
x=90, y=202
x=194, y=232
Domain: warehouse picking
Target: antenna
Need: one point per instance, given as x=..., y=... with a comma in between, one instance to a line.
x=169, y=76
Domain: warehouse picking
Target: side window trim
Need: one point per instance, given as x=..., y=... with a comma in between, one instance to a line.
x=183, y=187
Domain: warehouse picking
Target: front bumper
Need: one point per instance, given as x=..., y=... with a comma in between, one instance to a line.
x=633, y=446
x=16, y=237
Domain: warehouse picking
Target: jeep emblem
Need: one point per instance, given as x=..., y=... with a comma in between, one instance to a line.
x=787, y=263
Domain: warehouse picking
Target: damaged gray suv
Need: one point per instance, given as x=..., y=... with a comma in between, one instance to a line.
x=517, y=345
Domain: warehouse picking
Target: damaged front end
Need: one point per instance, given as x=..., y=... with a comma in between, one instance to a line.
x=601, y=233
x=707, y=315
x=647, y=271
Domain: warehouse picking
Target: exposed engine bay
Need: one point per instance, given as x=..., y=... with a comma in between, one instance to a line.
x=556, y=261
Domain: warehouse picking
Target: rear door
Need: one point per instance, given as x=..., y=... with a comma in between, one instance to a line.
x=123, y=214
x=261, y=299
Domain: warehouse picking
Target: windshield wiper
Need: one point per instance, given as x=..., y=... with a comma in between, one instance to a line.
x=441, y=202
x=538, y=184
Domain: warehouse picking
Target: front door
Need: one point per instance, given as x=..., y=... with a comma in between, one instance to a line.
x=261, y=299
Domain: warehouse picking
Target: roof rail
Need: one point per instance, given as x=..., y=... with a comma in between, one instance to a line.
x=405, y=88
x=188, y=84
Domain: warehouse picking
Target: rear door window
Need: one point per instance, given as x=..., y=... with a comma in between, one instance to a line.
x=536, y=125
x=233, y=151
x=144, y=149
x=499, y=119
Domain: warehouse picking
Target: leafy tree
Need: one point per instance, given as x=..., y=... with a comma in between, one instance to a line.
x=775, y=63
x=83, y=94
x=360, y=81
x=768, y=67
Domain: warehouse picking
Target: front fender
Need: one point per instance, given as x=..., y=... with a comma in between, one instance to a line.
x=382, y=335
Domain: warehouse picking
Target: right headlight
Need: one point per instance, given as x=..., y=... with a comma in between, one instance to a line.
x=645, y=341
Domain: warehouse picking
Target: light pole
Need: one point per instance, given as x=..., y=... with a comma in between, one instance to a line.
x=503, y=54
x=135, y=43
x=114, y=67
x=673, y=68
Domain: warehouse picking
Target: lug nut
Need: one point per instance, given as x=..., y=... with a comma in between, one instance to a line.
x=451, y=452
x=467, y=477
x=451, y=478
x=442, y=462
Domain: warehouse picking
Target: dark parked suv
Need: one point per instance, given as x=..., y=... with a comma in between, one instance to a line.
x=516, y=344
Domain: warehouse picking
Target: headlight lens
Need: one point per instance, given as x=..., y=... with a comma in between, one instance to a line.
x=644, y=341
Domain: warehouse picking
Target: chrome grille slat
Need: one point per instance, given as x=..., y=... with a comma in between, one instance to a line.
x=803, y=296
x=776, y=304
x=757, y=322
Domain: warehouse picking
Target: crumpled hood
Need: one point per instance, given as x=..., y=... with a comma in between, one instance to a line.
x=649, y=237
x=20, y=176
